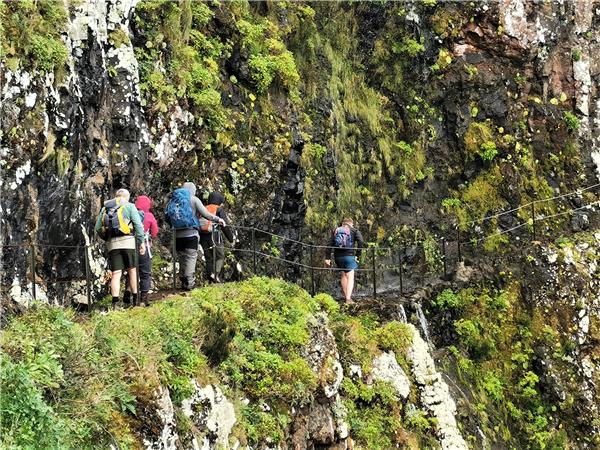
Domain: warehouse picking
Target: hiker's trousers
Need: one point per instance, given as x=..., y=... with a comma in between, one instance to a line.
x=145, y=264
x=213, y=265
x=187, y=253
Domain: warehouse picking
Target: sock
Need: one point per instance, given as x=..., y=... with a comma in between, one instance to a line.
x=115, y=300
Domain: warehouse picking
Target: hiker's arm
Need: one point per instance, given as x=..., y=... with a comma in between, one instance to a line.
x=205, y=212
x=99, y=221
x=360, y=243
x=138, y=226
x=227, y=231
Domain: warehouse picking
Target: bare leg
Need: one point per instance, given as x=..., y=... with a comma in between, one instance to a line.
x=115, y=283
x=133, y=280
x=349, y=286
x=344, y=283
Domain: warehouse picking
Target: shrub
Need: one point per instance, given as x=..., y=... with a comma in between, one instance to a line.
x=478, y=134
x=488, y=151
x=571, y=121
x=394, y=336
x=31, y=31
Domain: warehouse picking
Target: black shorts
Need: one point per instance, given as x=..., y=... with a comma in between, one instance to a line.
x=121, y=259
x=185, y=243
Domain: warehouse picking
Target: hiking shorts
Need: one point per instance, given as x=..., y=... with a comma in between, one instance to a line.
x=121, y=259
x=346, y=263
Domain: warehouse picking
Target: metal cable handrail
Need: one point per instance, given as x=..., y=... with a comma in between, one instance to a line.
x=374, y=269
x=533, y=202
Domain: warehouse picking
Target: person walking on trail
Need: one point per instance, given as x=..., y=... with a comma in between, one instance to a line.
x=211, y=237
x=114, y=225
x=346, y=255
x=183, y=213
x=143, y=205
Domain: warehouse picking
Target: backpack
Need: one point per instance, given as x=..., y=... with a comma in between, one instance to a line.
x=113, y=222
x=343, y=237
x=205, y=224
x=179, y=211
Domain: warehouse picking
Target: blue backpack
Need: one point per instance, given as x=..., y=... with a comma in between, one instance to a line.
x=179, y=211
x=343, y=237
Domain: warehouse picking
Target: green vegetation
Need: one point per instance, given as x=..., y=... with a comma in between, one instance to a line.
x=479, y=140
x=571, y=121
x=30, y=34
x=118, y=37
x=443, y=61
x=70, y=382
x=178, y=60
x=488, y=151
x=497, y=337
x=374, y=413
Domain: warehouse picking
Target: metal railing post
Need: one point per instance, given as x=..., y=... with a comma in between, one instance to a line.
x=33, y=293
x=174, y=258
x=533, y=219
x=88, y=280
x=312, y=271
x=374, y=273
x=253, y=252
x=444, y=256
x=401, y=270
x=301, y=259
x=458, y=243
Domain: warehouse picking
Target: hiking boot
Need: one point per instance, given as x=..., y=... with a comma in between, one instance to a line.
x=144, y=299
x=115, y=302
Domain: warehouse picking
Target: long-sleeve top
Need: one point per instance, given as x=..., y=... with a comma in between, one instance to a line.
x=130, y=214
x=227, y=231
x=144, y=203
x=357, y=239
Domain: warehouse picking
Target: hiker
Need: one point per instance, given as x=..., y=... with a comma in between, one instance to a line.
x=143, y=205
x=114, y=225
x=183, y=213
x=345, y=254
x=211, y=237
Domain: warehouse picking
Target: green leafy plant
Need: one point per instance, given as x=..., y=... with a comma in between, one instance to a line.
x=571, y=121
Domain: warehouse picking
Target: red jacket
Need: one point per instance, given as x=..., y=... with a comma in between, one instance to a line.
x=144, y=203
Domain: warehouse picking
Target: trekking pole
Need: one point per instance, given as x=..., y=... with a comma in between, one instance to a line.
x=374, y=273
x=88, y=283
x=214, y=251
x=253, y=251
x=312, y=272
x=174, y=260
x=33, y=293
x=137, y=276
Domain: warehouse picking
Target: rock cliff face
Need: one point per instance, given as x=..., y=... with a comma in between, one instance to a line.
x=299, y=113
x=412, y=117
